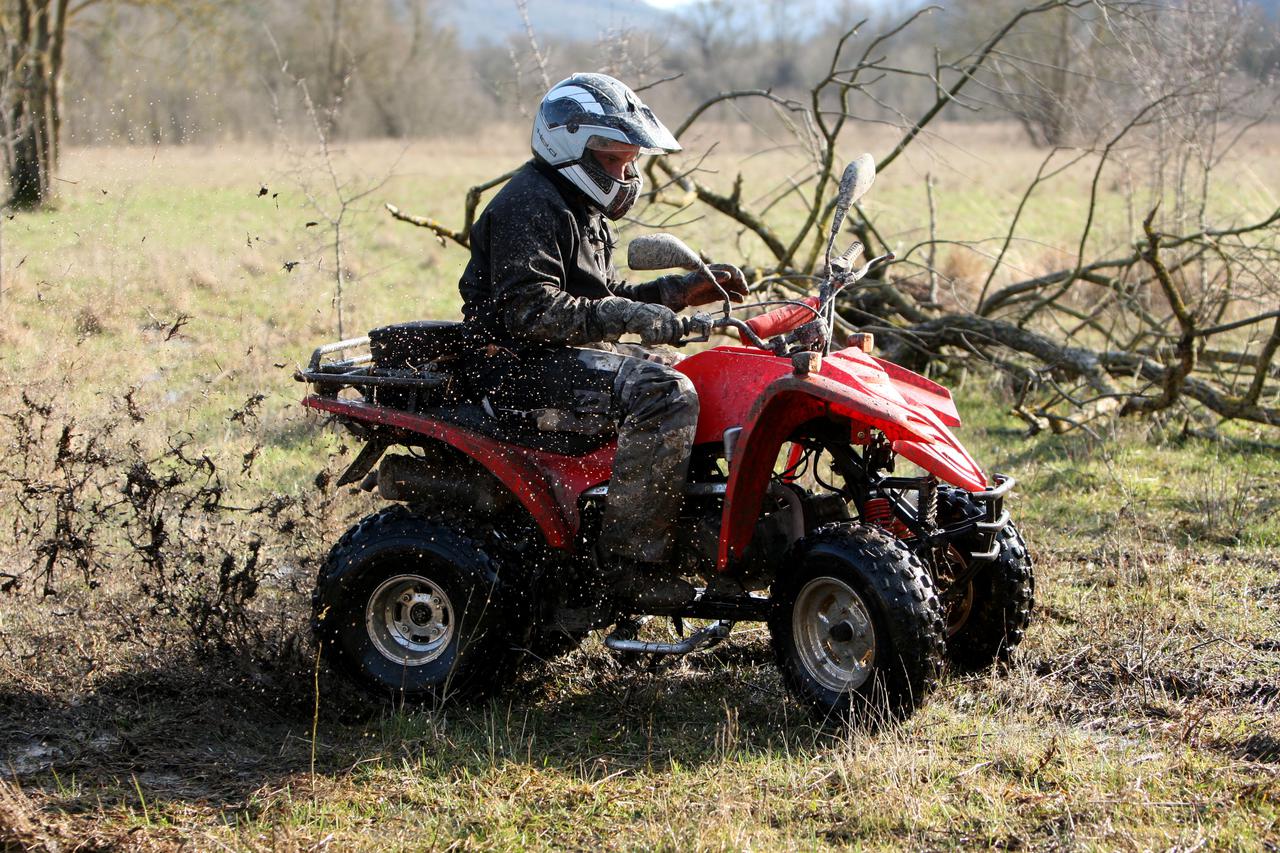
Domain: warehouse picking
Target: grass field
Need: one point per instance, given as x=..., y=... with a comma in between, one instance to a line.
x=153, y=303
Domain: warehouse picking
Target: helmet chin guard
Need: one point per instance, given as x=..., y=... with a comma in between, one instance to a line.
x=597, y=108
x=614, y=197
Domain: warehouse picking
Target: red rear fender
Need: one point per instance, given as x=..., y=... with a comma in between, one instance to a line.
x=547, y=484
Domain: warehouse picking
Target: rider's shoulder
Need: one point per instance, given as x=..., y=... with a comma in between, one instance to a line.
x=532, y=193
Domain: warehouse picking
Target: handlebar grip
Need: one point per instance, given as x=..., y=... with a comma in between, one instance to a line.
x=850, y=253
x=784, y=319
x=695, y=329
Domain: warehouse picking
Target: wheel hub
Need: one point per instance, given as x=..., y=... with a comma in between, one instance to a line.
x=409, y=620
x=841, y=632
x=833, y=634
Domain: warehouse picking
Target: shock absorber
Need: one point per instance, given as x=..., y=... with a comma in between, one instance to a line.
x=878, y=510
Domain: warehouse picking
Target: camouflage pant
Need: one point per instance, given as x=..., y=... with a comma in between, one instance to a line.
x=654, y=409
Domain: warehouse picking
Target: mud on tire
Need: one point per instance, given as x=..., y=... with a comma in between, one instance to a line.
x=413, y=607
x=856, y=626
x=987, y=623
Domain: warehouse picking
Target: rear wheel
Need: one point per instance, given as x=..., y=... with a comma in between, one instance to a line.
x=988, y=618
x=856, y=627
x=412, y=607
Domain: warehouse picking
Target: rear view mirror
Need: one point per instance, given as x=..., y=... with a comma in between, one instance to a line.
x=857, y=179
x=661, y=252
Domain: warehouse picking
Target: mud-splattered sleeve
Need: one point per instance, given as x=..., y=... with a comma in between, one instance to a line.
x=530, y=252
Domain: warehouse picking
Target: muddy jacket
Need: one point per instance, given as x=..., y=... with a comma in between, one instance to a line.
x=541, y=267
x=541, y=276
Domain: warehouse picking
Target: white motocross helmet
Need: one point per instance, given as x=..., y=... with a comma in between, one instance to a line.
x=595, y=111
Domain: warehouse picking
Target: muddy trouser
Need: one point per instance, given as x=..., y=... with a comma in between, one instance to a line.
x=653, y=407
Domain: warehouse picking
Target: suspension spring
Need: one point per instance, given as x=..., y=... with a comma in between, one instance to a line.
x=879, y=511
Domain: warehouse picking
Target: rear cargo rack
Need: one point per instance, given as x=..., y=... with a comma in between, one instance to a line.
x=329, y=377
x=314, y=366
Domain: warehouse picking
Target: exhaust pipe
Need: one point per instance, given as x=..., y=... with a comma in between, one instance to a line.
x=440, y=482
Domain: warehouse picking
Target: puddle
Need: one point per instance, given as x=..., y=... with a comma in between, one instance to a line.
x=28, y=758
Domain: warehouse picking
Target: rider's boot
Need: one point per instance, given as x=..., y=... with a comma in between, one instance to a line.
x=646, y=587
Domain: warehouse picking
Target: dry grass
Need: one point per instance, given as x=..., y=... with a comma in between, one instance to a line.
x=1140, y=714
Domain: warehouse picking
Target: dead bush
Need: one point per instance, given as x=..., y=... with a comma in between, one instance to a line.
x=90, y=505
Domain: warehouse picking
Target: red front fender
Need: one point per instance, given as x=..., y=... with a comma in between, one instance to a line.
x=916, y=432
x=782, y=407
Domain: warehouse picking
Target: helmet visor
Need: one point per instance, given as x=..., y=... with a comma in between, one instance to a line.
x=639, y=127
x=615, y=146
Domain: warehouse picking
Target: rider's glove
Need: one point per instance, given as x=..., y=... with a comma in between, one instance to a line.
x=655, y=324
x=696, y=289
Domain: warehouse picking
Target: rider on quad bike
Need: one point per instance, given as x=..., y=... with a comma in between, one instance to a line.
x=543, y=301
x=541, y=489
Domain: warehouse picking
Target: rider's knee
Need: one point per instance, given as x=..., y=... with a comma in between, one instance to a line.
x=654, y=394
x=683, y=395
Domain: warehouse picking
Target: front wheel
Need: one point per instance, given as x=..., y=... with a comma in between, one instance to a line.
x=413, y=607
x=856, y=626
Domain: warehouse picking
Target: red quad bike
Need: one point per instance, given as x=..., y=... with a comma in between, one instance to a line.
x=792, y=515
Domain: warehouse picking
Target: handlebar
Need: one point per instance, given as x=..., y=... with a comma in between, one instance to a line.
x=784, y=319
x=841, y=264
x=697, y=329
x=787, y=318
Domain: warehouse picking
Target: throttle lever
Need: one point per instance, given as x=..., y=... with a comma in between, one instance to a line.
x=861, y=272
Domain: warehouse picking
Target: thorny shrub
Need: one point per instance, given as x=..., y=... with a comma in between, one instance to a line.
x=90, y=505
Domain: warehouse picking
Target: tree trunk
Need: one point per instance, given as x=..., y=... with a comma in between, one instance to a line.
x=36, y=66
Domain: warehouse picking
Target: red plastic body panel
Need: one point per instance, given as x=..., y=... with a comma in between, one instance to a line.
x=921, y=391
x=737, y=387
x=758, y=392
x=784, y=319
x=730, y=380
x=547, y=484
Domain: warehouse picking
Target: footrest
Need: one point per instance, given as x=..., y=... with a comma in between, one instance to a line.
x=712, y=633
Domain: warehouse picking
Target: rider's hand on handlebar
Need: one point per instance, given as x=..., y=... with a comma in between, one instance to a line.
x=655, y=324
x=696, y=289
x=696, y=328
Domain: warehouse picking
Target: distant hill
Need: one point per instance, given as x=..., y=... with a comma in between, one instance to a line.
x=477, y=21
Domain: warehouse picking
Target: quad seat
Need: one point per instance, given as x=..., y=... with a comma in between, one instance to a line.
x=418, y=343
x=443, y=346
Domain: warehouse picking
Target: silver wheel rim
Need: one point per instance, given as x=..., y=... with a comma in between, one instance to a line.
x=410, y=620
x=834, y=636
x=957, y=612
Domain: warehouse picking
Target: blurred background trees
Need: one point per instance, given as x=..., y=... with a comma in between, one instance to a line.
x=163, y=72
x=1149, y=96
x=37, y=37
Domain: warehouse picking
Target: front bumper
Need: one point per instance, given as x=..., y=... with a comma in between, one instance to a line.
x=995, y=518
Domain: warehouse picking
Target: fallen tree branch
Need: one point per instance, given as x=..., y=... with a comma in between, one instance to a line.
x=1097, y=369
x=1175, y=375
x=461, y=236
x=442, y=232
